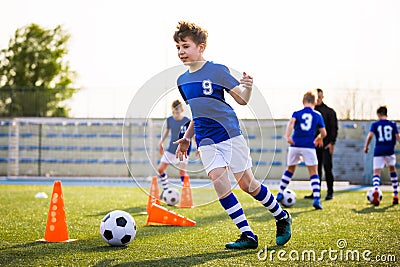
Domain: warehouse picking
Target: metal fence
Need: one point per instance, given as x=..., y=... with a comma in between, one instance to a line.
x=114, y=148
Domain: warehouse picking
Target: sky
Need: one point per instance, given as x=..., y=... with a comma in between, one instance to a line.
x=349, y=48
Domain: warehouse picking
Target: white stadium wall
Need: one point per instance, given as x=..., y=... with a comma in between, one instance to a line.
x=55, y=147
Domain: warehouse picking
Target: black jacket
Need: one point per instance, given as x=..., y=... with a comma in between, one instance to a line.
x=331, y=123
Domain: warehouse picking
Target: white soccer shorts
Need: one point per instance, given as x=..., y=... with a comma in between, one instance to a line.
x=233, y=153
x=298, y=154
x=380, y=161
x=170, y=158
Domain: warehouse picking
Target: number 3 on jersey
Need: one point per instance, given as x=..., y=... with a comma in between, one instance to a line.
x=307, y=121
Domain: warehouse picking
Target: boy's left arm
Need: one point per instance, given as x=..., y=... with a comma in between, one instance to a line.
x=242, y=97
x=318, y=140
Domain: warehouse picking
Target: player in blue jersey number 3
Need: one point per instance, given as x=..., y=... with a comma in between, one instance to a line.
x=218, y=135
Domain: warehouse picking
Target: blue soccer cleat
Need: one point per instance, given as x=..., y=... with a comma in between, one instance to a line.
x=244, y=242
x=283, y=230
x=279, y=197
x=317, y=204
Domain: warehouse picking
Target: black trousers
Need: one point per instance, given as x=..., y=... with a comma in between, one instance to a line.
x=325, y=160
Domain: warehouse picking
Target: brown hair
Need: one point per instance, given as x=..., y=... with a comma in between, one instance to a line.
x=382, y=110
x=309, y=97
x=176, y=104
x=188, y=29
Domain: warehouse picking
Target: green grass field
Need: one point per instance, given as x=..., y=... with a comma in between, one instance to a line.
x=348, y=217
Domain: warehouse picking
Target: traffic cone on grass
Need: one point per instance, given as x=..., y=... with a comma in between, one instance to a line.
x=186, y=196
x=160, y=215
x=56, y=226
x=154, y=194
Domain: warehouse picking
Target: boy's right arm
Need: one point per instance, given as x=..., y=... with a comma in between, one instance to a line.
x=289, y=130
x=163, y=137
x=367, y=141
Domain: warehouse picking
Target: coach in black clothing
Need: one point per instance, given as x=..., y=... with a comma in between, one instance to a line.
x=324, y=153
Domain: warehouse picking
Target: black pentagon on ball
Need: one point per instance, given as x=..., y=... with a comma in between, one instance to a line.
x=108, y=235
x=106, y=218
x=289, y=200
x=121, y=221
x=173, y=200
x=126, y=239
x=169, y=191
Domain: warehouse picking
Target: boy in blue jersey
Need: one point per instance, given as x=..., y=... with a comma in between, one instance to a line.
x=386, y=133
x=305, y=122
x=176, y=124
x=219, y=139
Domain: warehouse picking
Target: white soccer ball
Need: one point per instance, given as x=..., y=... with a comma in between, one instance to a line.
x=289, y=198
x=370, y=192
x=118, y=228
x=171, y=196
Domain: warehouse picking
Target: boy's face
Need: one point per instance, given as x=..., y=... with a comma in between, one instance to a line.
x=176, y=112
x=189, y=51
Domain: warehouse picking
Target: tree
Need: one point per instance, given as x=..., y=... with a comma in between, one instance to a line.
x=35, y=77
x=357, y=104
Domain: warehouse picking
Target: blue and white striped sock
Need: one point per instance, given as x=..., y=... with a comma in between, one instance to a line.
x=316, y=186
x=395, y=183
x=164, y=180
x=235, y=211
x=268, y=200
x=376, y=180
x=286, y=177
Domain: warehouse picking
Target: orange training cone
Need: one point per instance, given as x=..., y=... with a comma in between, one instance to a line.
x=186, y=197
x=154, y=196
x=160, y=215
x=56, y=227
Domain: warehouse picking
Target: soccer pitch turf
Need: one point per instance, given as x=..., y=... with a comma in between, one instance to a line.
x=346, y=229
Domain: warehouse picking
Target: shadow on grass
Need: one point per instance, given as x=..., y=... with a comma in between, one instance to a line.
x=134, y=211
x=373, y=209
x=190, y=260
x=35, y=251
x=26, y=245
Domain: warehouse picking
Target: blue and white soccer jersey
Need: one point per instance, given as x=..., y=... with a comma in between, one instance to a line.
x=385, y=132
x=176, y=127
x=215, y=121
x=307, y=122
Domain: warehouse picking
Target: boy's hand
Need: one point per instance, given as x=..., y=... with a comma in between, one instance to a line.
x=161, y=148
x=318, y=141
x=247, y=81
x=366, y=149
x=183, y=146
x=290, y=141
